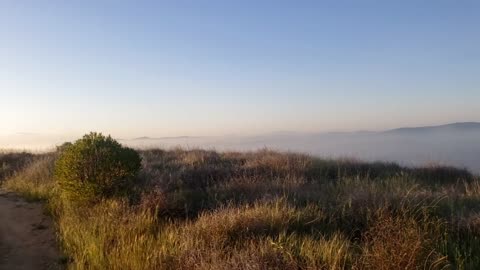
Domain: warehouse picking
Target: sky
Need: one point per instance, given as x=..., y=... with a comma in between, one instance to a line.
x=172, y=68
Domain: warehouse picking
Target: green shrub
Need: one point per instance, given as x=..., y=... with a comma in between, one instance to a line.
x=95, y=167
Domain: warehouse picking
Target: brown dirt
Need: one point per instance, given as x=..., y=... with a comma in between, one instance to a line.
x=27, y=236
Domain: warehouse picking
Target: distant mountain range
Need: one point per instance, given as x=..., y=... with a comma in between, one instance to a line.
x=459, y=126
x=464, y=126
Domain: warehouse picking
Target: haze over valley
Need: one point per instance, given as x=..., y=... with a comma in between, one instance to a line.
x=456, y=144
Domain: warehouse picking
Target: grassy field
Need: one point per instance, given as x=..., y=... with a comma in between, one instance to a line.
x=201, y=209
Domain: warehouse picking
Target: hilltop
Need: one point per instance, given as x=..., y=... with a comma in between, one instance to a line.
x=198, y=209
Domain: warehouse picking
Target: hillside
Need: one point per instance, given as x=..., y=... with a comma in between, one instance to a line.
x=202, y=209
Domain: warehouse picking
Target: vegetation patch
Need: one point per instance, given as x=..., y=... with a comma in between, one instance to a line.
x=95, y=167
x=196, y=209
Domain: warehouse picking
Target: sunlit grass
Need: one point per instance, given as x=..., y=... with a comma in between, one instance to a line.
x=266, y=210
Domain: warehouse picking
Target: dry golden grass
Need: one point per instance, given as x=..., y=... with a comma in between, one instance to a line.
x=267, y=210
x=35, y=181
x=403, y=241
x=11, y=162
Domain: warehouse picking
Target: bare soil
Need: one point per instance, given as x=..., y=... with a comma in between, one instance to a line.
x=27, y=236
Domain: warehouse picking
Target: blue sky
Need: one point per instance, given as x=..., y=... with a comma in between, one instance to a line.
x=168, y=68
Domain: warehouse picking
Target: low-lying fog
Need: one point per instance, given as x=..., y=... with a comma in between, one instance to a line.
x=449, y=145
x=455, y=144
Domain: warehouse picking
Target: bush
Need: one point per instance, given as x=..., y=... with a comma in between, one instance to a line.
x=95, y=167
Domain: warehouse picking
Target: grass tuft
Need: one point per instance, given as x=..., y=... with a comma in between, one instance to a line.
x=200, y=209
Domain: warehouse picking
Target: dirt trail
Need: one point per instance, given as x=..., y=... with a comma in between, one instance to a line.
x=27, y=238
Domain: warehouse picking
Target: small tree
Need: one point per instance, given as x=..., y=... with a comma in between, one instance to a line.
x=95, y=167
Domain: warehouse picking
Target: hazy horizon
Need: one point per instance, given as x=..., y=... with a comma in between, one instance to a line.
x=49, y=140
x=456, y=144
